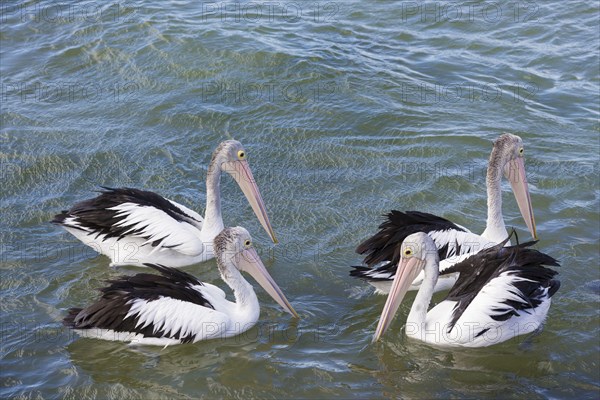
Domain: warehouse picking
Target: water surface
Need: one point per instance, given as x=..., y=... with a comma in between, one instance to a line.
x=347, y=110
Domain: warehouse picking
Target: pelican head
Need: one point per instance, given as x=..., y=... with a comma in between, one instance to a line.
x=416, y=252
x=508, y=158
x=231, y=157
x=233, y=248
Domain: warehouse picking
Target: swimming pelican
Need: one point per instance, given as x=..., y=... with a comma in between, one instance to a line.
x=452, y=240
x=135, y=227
x=504, y=293
x=176, y=307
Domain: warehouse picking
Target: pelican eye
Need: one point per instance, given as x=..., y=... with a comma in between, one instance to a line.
x=408, y=252
x=247, y=243
x=241, y=155
x=521, y=151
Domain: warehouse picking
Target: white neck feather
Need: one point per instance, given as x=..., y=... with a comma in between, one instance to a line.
x=246, y=302
x=213, y=221
x=415, y=323
x=495, y=229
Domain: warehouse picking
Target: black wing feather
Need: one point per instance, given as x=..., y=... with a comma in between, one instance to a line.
x=110, y=310
x=95, y=214
x=520, y=260
x=385, y=244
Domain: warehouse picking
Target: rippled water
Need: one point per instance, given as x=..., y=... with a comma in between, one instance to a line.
x=347, y=109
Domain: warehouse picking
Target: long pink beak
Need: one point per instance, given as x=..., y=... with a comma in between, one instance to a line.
x=408, y=269
x=515, y=172
x=250, y=262
x=241, y=173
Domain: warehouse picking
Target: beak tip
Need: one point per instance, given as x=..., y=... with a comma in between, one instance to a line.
x=290, y=310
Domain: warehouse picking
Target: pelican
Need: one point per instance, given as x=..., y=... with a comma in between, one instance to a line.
x=175, y=307
x=452, y=240
x=136, y=227
x=506, y=293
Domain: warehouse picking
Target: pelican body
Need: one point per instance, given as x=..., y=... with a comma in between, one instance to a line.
x=506, y=292
x=175, y=307
x=136, y=227
x=453, y=241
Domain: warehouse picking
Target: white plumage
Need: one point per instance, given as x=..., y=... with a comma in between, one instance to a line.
x=134, y=227
x=508, y=294
x=175, y=307
x=451, y=239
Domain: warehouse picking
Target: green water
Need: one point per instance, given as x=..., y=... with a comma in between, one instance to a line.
x=347, y=109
